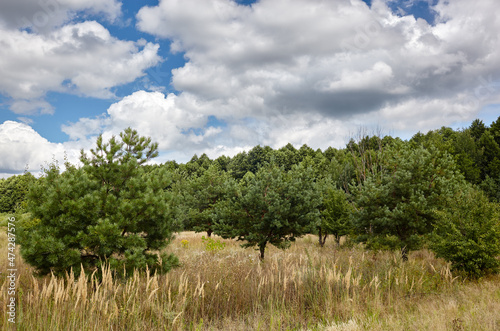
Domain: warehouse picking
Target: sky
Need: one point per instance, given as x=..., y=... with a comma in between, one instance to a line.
x=222, y=76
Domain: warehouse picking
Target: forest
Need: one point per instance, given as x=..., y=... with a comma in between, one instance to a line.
x=436, y=195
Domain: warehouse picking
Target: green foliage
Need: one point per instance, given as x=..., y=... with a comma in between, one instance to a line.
x=495, y=130
x=491, y=187
x=13, y=191
x=335, y=212
x=468, y=156
x=400, y=199
x=475, y=150
x=200, y=194
x=272, y=206
x=477, y=128
x=365, y=158
x=468, y=234
x=212, y=245
x=490, y=164
x=196, y=166
x=257, y=157
x=223, y=162
x=287, y=156
x=239, y=166
x=110, y=210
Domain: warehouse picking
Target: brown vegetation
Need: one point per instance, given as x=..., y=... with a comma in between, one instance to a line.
x=303, y=288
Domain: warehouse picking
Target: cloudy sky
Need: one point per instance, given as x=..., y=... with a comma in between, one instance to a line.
x=221, y=76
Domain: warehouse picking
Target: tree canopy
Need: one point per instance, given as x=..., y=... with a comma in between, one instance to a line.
x=467, y=233
x=200, y=195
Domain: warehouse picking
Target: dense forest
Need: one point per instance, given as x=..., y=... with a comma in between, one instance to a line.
x=439, y=190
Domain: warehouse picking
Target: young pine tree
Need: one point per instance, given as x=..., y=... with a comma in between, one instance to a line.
x=395, y=206
x=109, y=210
x=200, y=195
x=335, y=213
x=272, y=206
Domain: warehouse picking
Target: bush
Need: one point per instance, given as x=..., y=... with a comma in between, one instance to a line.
x=212, y=245
x=468, y=234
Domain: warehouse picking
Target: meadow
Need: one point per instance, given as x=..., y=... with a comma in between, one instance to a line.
x=221, y=286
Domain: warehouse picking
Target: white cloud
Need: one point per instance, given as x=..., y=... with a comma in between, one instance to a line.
x=86, y=127
x=279, y=71
x=293, y=61
x=174, y=122
x=182, y=130
x=43, y=15
x=80, y=58
x=21, y=147
x=376, y=77
x=32, y=106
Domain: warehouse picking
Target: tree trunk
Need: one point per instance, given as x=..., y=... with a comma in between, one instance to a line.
x=262, y=249
x=404, y=253
x=322, y=238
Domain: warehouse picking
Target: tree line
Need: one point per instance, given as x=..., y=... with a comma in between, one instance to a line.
x=439, y=190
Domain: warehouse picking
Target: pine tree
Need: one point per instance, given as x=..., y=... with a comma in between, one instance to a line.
x=272, y=206
x=109, y=210
x=395, y=206
x=335, y=212
x=200, y=195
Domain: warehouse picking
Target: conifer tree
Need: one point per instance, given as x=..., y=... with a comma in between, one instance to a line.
x=109, y=210
x=335, y=212
x=395, y=206
x=200, y=195
x=272, y=206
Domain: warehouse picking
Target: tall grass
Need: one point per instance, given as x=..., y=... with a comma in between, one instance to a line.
x=303, y=288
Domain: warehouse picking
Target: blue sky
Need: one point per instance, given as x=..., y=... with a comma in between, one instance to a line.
x=221, y=76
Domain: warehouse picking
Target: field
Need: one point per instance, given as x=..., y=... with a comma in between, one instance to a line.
x=221, y=286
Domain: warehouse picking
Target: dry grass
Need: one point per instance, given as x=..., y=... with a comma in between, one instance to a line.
x=303, y=288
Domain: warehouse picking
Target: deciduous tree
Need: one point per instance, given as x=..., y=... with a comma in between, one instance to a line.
x=467, y=233
x=13, y=191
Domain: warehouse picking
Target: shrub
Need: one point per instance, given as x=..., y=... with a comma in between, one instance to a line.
x=212, y=245
x=468, y=234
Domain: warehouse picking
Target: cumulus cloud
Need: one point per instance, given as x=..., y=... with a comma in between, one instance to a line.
x=43, y=15
x=278, y=71
x=182, y=130
x=81, y=58
x=295, y=61
x=22, y=147
x=174, y=122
